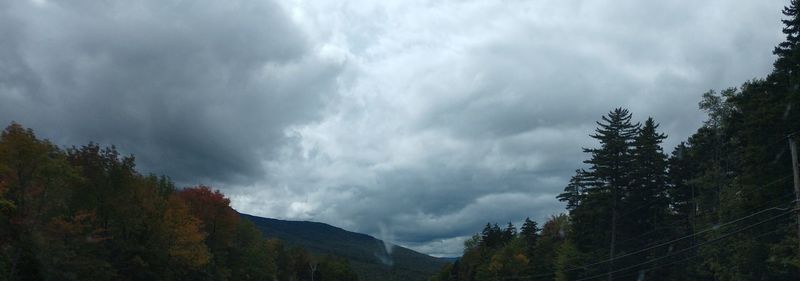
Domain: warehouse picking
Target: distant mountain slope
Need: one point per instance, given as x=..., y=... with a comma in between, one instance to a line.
x=366, y=253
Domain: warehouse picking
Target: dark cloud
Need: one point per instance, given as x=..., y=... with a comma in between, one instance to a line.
x=418, y=120
x=199, y=90
x=464, y=112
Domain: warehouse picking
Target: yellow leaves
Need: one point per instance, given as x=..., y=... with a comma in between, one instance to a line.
x=77, y=225
x=520, y=258
x=497, y=263
x=213, y=209
x=184, y=239
x=5, y=204
x=509, y=260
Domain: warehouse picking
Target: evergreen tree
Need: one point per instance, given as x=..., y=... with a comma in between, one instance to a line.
x=491, y=236
x=567, y=259
x=645, y=202
x=607, y=180
x=781, y=90
x=575, y=190
x=509, y=233
x=788, y=61
x=554, y=233
x=681, y=191
x=646, y=198
x=529, y=232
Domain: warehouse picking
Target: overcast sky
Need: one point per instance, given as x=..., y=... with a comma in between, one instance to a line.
x=413, y=121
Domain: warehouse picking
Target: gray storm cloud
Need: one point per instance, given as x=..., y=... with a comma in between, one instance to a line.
x=461, y=112
x=432, y=117
x=198, y=90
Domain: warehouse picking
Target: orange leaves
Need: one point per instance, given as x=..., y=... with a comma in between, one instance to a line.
x=182, y=234
x=520, y=258
x=203, y=196
x=213, y=209
x=68, y=247
x=78, y=228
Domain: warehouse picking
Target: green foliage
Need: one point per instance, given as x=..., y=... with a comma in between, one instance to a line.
x=331, y=268
x=448, y=272
x=567, y=260
x=252, y=258
x=490, y=255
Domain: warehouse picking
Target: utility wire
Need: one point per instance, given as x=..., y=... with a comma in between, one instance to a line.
x=783, y=138
x=677, y=252
x=668, y=226
x=657, y=267
x=729, y=234
x=693, y=256
x=713, y=228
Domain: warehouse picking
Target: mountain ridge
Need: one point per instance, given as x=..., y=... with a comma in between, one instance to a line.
x=366, y=253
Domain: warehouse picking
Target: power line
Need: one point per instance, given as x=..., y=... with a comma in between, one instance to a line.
x=713, y=228
x=781, y=139
x=692, y=256
x=729, y=234
x=676, y=252
x=668, y=226
x=692, y=247
x=694, y=234
x=659, y=266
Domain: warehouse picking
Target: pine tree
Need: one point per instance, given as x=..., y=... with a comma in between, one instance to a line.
x=646, y=199
x=491, y=236
x=575, y=190
x=782, y=89
x=607, y=179
x=681, y=191
x=787, y=51
x=509, y=233
x=529, y=232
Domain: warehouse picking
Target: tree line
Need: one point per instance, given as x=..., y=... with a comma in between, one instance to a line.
x=719, y=207
x=85, y=213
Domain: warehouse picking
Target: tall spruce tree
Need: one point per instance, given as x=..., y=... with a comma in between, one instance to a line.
x=787, y=51
x=646, y=197
x=645, y=201
x=575, y=190
x=681, y=192
x=782, y=88
x=604, y=185
x=529, y=232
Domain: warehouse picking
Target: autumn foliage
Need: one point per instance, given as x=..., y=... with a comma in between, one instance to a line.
x=211, y=207
x=85, y=213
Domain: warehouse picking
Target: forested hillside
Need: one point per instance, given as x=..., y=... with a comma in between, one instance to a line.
x=85, y=213
x=367, y=255
x=720, y=206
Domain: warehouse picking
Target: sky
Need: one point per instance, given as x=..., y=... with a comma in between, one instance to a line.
x=414, y=121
